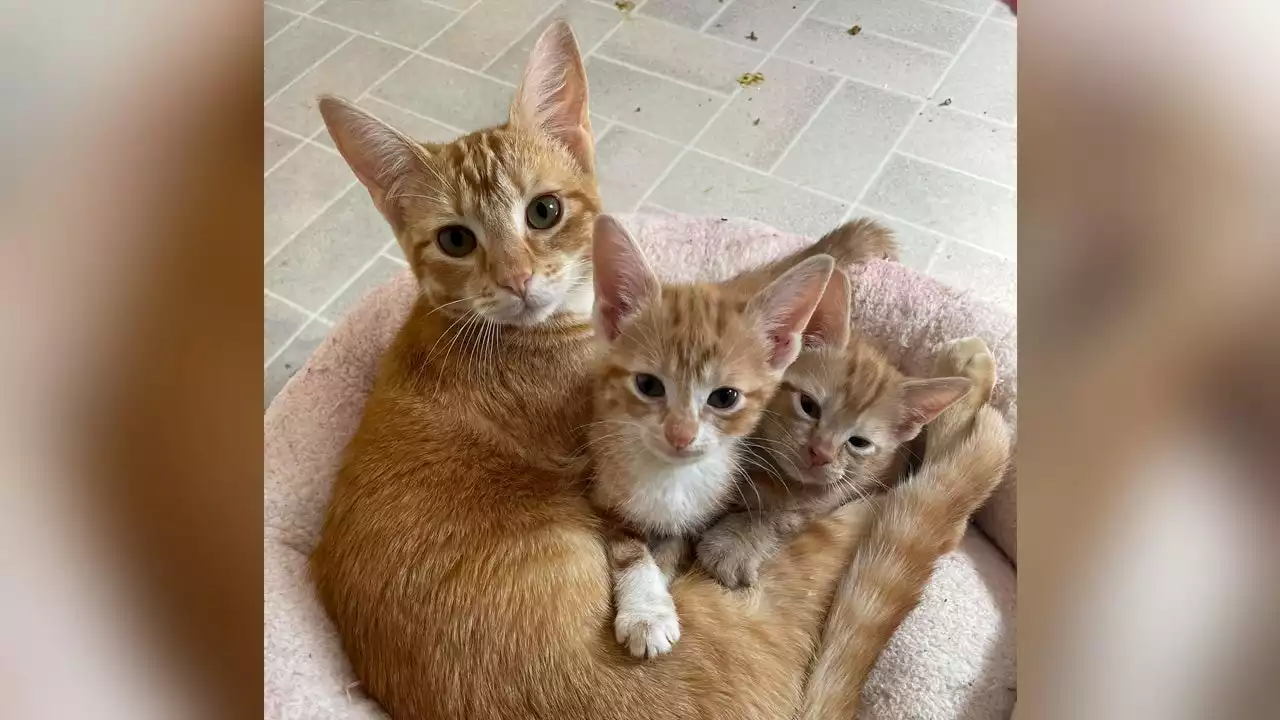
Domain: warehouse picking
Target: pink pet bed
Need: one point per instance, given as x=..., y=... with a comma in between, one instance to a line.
x=952, y=658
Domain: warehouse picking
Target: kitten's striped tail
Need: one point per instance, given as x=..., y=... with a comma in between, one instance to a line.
x=858, y=241
x=920, y=520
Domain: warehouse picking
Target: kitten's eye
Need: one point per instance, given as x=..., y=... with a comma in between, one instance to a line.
x=809, y=406
x=543, y=212
x=859, y=443
x=724, y=398
x=649, y=386
x=456, y=241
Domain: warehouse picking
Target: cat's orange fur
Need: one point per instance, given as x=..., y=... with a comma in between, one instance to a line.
x=460, y=560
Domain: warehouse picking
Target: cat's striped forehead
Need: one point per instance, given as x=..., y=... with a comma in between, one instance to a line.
x=851, y=379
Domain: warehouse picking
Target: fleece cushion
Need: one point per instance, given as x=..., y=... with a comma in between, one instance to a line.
x=952, y=658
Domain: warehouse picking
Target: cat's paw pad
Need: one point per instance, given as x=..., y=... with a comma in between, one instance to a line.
x=970, y=358
x=649, y=631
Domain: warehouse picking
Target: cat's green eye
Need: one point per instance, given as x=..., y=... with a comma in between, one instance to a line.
x=859, y=443
x=808, y=406
x=456, y=241
x=543, y=213
x=649, y=385
x=725, y=398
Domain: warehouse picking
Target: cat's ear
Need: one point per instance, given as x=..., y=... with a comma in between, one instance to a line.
x=624, y=280
x=783, y=309
x=924, y=400
x=829, y=325
x=378, y=154
x=552, y=97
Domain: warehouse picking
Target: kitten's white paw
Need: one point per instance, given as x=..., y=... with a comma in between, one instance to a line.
x=649, y=630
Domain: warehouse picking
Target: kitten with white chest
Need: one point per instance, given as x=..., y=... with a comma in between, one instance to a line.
x=684, y=373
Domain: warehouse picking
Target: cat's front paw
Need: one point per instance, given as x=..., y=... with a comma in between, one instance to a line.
x=648, y=630
x=734, y=549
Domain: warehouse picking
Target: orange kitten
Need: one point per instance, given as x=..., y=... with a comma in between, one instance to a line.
x=685, y=372
x=835, y=431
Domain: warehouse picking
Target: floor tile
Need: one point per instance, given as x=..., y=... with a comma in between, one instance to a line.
x=1003, y=13
x=346, y=73
x=703, y=185
x=294, y=192
x=455, y=4
x=299, y=5
x=912, y=20
x=280, y=322
x=331, y=251
x=452, y=96
x=274, y=20
x=649, y=102
x=946, y=201
x=984, y=80
x=408, y=22
x=979, y=7
x=840, y=151
x=990, y=277
x=275, y=146
x=916, y=247
x=292, y=360
x=761, y=121
x=590, y=22
x=382, y=270
x=881, y=61
x=767, y=20
x=965, y=142
x=692, y=14
x=485, y=31
x=681, y=54
x=293, y=51
x=628, y=163
x=418, y=128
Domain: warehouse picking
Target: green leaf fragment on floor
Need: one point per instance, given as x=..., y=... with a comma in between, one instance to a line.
x=625, y=5
x=854, y=30
x=750, y=79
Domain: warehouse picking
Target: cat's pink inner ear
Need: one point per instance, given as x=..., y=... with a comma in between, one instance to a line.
x=783, y=309
x=829, y=325
x=623, y=280
x=924, y=400
x=552, y=97
x=377, y=153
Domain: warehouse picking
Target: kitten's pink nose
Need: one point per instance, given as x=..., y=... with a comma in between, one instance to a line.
x=679, y=436
x=517, y=282
x=820, y=455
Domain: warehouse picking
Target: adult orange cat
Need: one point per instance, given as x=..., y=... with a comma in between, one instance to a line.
x=460, y=561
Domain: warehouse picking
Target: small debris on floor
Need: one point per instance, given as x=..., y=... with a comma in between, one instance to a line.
x=945, y=103
x=625, y=6
x=756, y=121
x=724, y=219
x=854, y=30
x=708, y=189
x=752, y=36
x=637, y=108
x=750, y=79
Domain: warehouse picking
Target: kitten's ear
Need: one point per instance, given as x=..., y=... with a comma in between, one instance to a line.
x=783, y=309
x=924, y=400
x=624, y=281
x=377, y=153
x=552, y=96
x=829, y=326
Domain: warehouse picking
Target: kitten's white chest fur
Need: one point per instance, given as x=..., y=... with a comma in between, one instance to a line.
x=676, y=499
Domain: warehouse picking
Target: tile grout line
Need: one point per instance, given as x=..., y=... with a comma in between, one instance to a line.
x=311, y=317
x=943, y=238
x=297, y=18
x=959, y=10
x=346, y=189
x=807, y=124
x=684, y=83
x=546, y=14
x=891, y=38
x=884, y=162
x=286, y=301
x=723, y=6
x=368, y=94
x=957, y=170
x=311, y=67
x=350, y=281
x=721, y=110
x=302, y=142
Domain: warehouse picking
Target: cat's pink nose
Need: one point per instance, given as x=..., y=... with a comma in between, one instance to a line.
x=517, y=282
x=820, y=455
x=680, y=437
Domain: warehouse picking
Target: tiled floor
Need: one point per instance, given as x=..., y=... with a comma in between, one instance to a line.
x=912, y=119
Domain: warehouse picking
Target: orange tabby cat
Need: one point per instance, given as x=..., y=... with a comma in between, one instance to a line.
x=685, y=373
x=460, y=560
x=836, y=431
